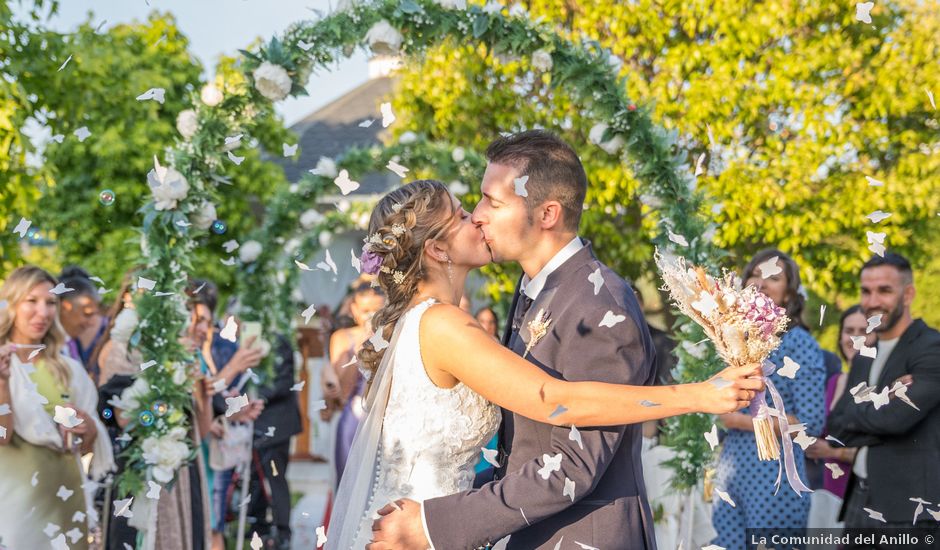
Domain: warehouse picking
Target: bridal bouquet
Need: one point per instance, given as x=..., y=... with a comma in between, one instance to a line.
x=745, y=327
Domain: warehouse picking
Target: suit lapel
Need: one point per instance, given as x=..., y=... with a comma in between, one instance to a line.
x=894, y=366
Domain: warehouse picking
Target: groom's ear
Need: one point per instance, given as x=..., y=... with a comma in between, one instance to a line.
x=551, y=215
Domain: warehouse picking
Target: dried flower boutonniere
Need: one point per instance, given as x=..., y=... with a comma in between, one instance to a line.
x=538, y=328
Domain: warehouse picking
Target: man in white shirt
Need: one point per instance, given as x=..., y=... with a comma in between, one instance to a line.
x=897, y=429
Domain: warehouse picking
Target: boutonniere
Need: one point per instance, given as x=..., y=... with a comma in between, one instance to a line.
x=538, y=328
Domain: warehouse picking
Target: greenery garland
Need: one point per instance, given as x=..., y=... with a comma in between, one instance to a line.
x=200, y=161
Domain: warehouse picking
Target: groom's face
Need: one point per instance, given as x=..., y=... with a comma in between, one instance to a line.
x=502, y=214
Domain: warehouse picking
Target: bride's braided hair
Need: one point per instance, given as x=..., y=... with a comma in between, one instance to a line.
x=401, y=223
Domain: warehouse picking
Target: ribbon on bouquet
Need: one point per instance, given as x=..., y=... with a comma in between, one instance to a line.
x=759, y=409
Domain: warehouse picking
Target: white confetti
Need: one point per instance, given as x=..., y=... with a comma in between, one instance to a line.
x=256, y=542
x=873, y=322
x=82, y=133
x=59, y=543
x=700, y=165
x=230, y=261
x=64, y=493
x=22, y=227
x=289, y=150
x=705, y=304
x=230, y=246
x=156, y=94
x=328, y=264
x=153, y=491
x=834, y=440
x=713, y=547
x=822, y=313
x=66, y=62
x=73, y=534
x=321, y=536
x=648, y=403
x=872, y=182
x=270, y=432
x=789, y=368
x=900, y=391
x=725, y=497
x=147, y=365
x=770, y=268
x=122, y=508
x=575, y=435
x=235, y=404
x=303, y=266
x=835, y=469
x=878, y=216
x=299, y=386
x=585, y=546
x=489, y=455
x=356, y=262
x=597, y=280
x=568, y=490
x=366, y=123
x=803, y=439
x=610, y=319
x=346, y=185
x=230, y=331
x=51, y=529
x=550, y=464
x=66, y=416
x=388, y=117
x=5, y=409
x=871, y=513
x=676, y=238
x=378, y=342
x=145, y=283
x=235, y=158
x=60, y=289
x=305, y=46
x=398, y=169
x=519, y=186
x=560, y=409
x=35, y=479
x=712, y=437
x=863, y=11
x=880, y=399
x=930, y=97
x=308, y=313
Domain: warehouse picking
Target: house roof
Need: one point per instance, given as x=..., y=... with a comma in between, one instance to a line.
x=334, y=129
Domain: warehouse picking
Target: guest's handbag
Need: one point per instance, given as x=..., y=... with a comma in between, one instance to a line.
x=233, y=448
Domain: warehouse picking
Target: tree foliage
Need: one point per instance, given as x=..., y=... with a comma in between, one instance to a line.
x=791, y=103
x=97, y=89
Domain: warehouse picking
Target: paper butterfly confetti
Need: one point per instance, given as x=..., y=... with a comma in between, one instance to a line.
x=610, y=319
x=346, y=185
x=551, y=464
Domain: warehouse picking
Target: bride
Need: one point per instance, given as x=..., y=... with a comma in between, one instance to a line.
x=437, y=380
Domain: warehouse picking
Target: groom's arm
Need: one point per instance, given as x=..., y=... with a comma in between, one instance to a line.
x=523, y=497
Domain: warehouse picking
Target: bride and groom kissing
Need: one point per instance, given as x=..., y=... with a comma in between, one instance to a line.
x=566, y=391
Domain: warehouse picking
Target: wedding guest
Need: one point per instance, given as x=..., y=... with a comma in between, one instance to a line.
x=748, y=481
x=80, y=316
x=488, y=320
x=898, y=441
x=278, y=423
x=112, y=352
x=40, y=456
x=344, y=381
x=827, y=500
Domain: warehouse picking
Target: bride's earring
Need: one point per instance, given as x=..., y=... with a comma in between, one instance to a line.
x=450, y=269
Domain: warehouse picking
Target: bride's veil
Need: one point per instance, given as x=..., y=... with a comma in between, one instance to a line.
x=355, y=489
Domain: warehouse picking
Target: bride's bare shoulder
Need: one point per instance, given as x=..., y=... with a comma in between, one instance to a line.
x=439, y=319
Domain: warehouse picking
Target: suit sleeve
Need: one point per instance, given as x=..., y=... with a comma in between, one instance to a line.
x=897, y=417
x=617, y=355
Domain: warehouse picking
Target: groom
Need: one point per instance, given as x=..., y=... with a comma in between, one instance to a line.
x=534, y=221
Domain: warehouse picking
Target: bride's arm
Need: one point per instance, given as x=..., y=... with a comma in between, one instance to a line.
x=454, y=343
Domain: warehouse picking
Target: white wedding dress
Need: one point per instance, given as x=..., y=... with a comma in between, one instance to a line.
x=429, y=440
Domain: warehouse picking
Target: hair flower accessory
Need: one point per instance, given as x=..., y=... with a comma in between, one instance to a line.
x=370, y=262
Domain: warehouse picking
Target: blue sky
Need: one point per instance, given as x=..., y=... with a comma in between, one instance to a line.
x=215, y=27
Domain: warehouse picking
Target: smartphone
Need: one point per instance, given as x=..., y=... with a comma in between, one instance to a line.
x=249, y=329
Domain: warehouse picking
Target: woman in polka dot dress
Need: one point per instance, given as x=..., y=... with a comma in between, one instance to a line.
x=747, y=480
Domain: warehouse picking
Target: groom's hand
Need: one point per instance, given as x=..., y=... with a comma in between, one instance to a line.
x=399, y=527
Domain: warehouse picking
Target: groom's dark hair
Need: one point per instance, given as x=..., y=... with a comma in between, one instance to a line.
x=554, y=169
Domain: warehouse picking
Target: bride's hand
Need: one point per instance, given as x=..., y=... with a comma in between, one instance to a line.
x=730, y=390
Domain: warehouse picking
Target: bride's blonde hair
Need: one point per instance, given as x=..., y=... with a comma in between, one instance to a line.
x=401, y=223
x=15, y=288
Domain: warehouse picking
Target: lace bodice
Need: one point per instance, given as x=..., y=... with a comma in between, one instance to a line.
x=431, y=437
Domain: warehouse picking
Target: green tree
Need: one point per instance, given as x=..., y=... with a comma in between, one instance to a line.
x=97, y=89
x=791, y=106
